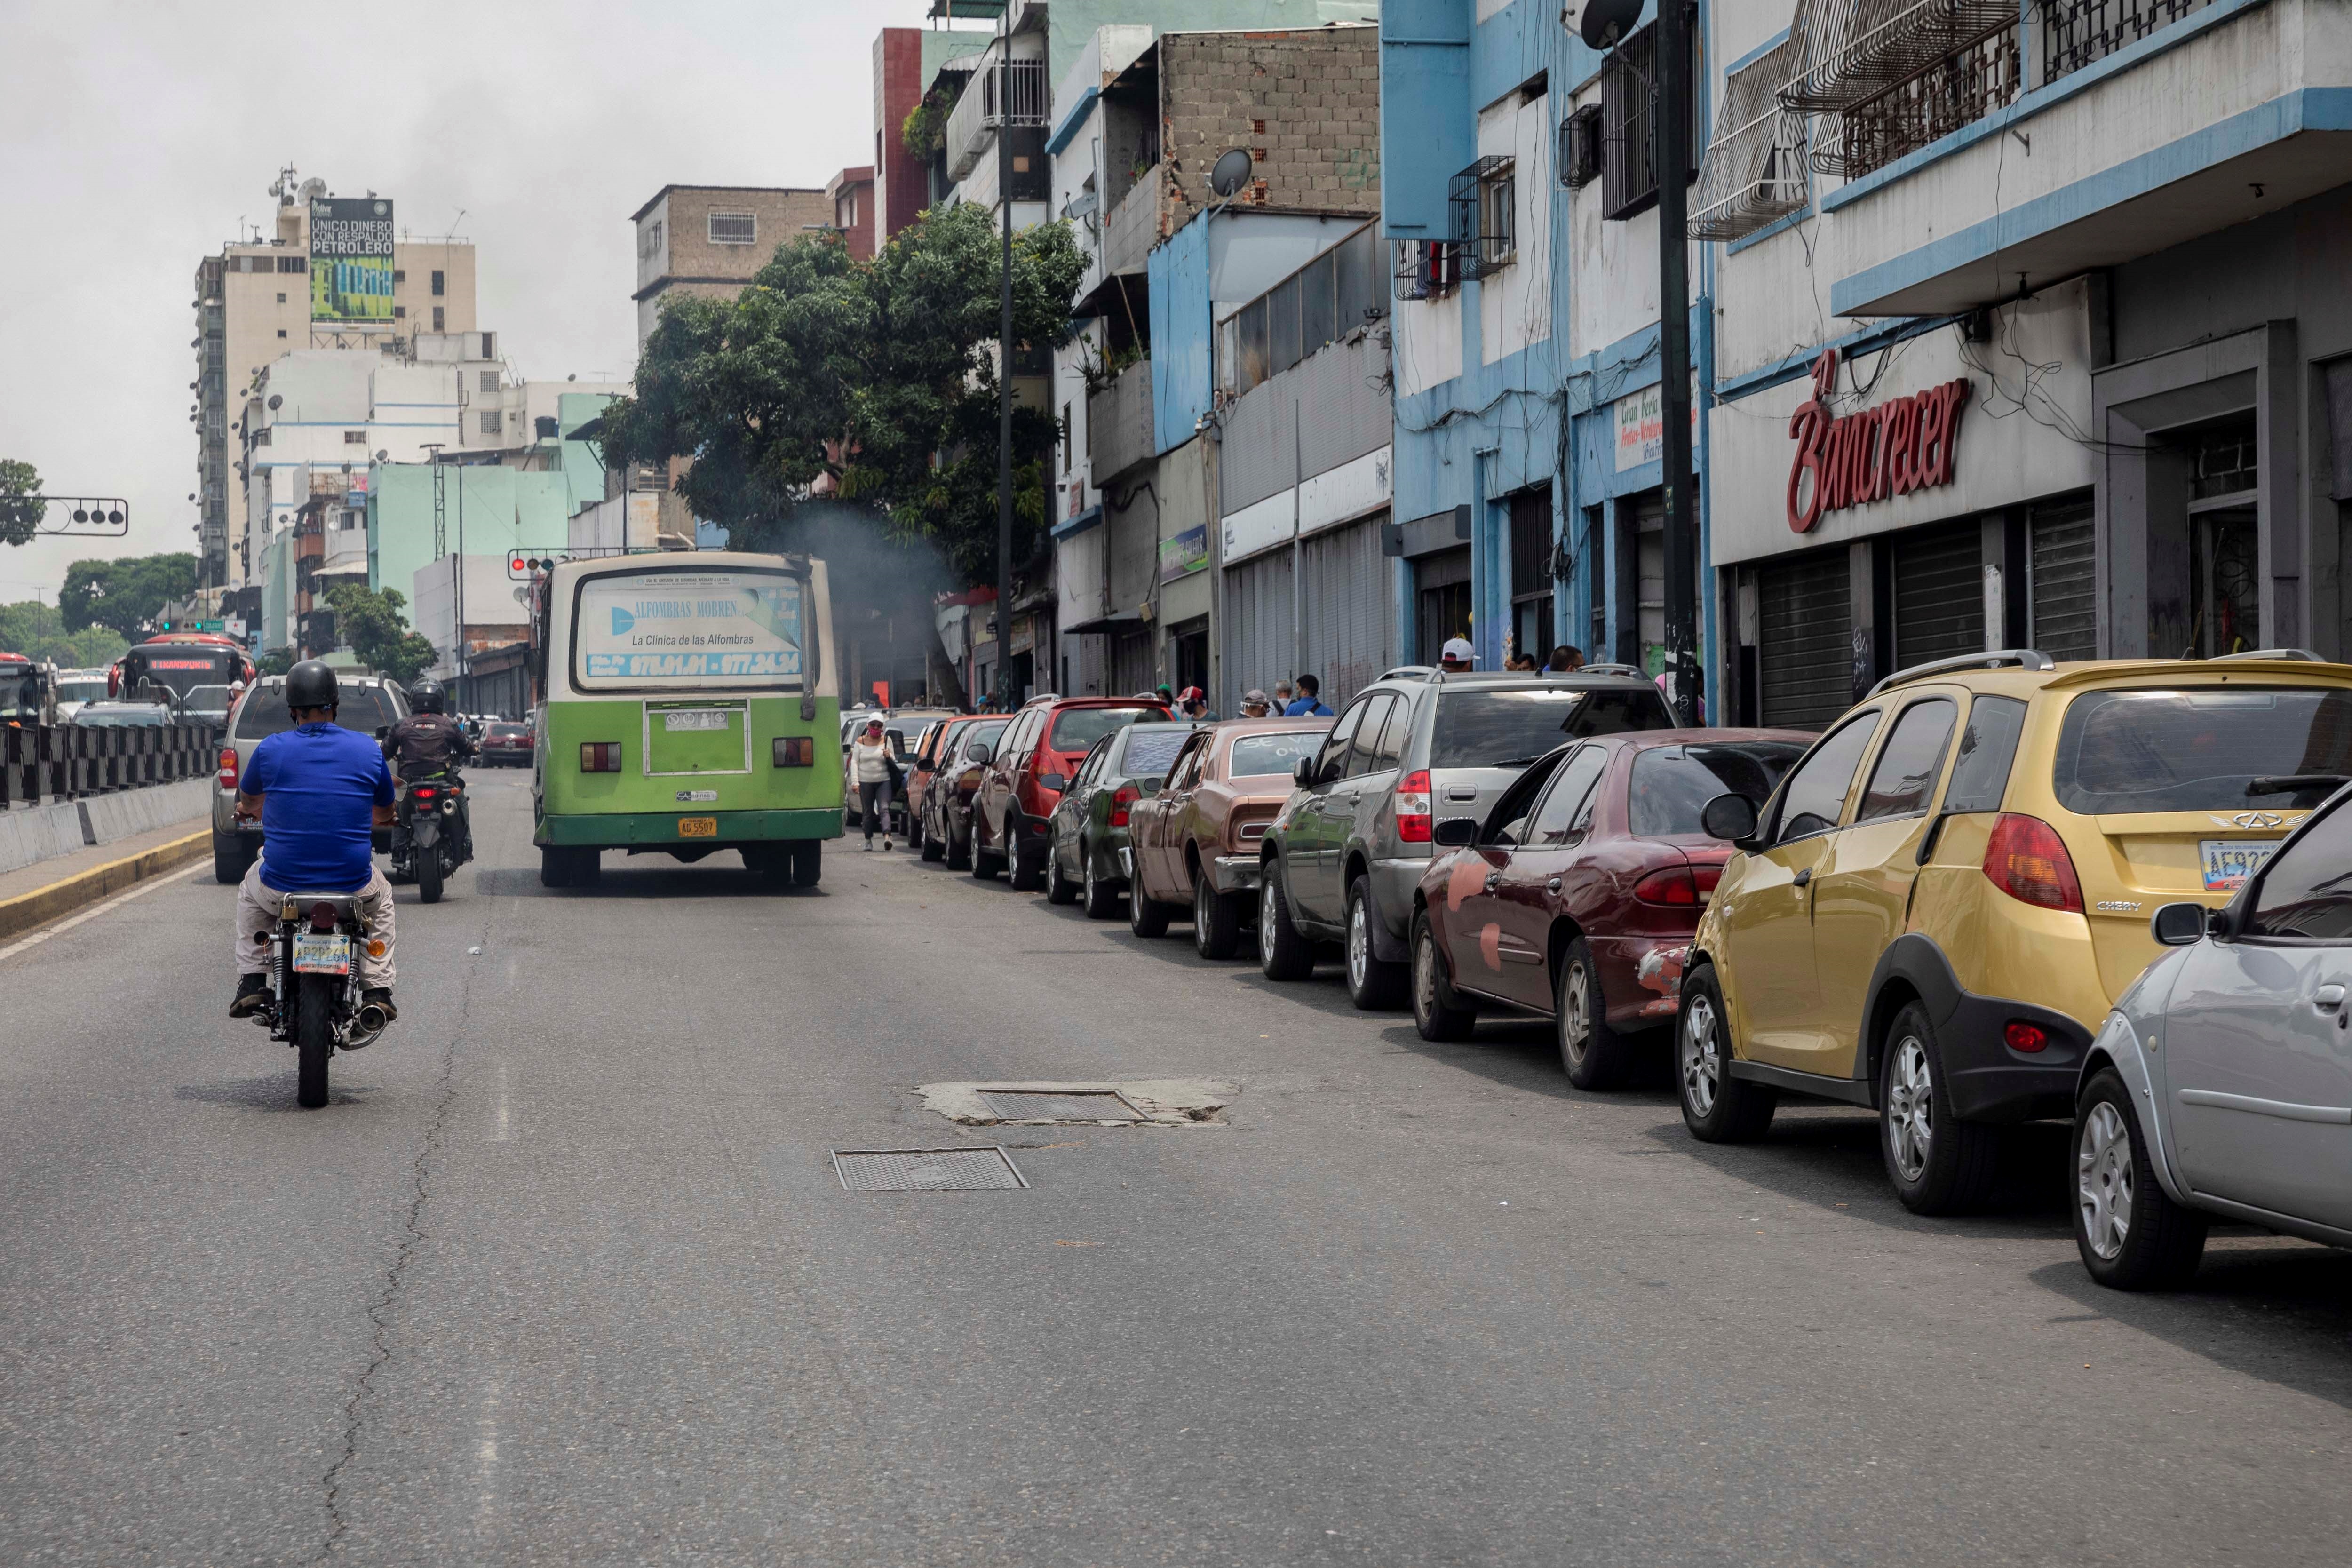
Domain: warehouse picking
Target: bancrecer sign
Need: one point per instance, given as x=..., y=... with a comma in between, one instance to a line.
x=1850, y=460
x=351, y=260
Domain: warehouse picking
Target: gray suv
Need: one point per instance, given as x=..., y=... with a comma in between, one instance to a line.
x=369, y=704
x=1342, y=859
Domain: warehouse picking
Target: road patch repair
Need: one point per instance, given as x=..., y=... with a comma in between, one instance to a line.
x=1142, y=1103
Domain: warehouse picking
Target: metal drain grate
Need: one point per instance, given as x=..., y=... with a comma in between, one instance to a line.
x=1061, y=1105
x=925, y=1169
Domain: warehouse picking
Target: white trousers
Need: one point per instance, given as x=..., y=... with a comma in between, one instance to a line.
x=257, y=918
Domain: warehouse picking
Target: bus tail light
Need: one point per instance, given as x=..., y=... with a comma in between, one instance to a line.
x=2026, y=860
x=228, y=767
x=793, y=751
x=1412, y=807
x=600, y=756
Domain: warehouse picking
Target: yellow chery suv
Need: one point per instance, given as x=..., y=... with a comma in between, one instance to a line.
x=1937, y=908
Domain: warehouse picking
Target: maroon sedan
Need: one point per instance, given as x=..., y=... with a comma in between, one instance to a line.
x=1577, y=897
x=506, y=745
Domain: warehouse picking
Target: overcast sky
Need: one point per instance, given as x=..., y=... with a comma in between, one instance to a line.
x=133, y=138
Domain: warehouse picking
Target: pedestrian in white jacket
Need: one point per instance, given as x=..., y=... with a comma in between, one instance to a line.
x=874, y=771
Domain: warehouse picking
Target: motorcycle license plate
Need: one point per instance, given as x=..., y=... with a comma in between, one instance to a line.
x=697, y=827
x=321, y=953
x=2230, y=861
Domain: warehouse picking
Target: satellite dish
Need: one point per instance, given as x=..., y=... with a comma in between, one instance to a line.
x=383, y=457
x=1600, y=23
x=1232, y=172
x=275, y=399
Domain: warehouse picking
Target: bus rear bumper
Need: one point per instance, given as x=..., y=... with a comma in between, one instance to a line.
x=661, y=829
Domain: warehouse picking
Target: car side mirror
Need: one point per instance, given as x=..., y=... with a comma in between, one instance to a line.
x=1053, y=781
x=2180, y=925
x=1455, y=832
x=978, y=754
x=1303, y=773
x=1730, y=816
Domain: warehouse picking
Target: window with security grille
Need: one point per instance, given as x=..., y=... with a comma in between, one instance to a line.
x=490, y=381
x=354, y=437
x=734, y=228
x=493, y=421
x=1629, y=173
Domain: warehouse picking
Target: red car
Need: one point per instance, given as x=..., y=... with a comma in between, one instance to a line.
x=1026, y=775
x=506, y=745
x=1577, y=897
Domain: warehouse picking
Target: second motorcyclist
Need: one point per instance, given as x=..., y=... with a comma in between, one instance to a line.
x=426, y=744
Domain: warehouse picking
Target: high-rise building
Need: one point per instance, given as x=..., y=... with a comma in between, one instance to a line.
x=255, y=302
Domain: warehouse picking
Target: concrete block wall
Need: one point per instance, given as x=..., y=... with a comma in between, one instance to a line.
x=107, y=817
x=38, y=832
x=1306, y=104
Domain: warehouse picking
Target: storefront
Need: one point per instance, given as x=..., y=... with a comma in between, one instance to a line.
x=1435, y=551
x=1927, y=497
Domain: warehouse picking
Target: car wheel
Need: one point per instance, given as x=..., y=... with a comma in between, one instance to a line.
x=959, y=850
x=1102, y=893
x=933, y=846
x=1717, y=1106
x=1145, y=916
x=912, y=821
x=1216, y=919
x=2131, y=1235
x=984, y=866
x=1437, y=1012
x=1938, y=1164
x=1373, y=983
x=1059, y=889
x=1283, y=951
x=1593, y=1055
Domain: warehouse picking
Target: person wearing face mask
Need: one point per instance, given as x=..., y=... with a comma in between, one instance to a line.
x=877, y=776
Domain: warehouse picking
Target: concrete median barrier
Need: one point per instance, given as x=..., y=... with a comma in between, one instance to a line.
x=107, y=817
x=38, y=832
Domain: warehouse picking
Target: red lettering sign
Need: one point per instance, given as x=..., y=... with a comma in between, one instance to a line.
x=1910, y=444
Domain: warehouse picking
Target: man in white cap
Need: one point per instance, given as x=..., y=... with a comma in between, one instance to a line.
x=1255, y=704
x=1456, y=658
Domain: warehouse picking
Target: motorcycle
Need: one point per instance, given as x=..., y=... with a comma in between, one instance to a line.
x=318, y=1006
x=431, y=836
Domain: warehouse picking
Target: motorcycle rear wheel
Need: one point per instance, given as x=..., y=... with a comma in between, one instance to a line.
x=428, y=874
x=314, y=1037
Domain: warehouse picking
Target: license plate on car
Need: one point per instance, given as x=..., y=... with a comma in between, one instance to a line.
x=2230, y=861
x=696, y=719
x=321, y=953
x=697, y=827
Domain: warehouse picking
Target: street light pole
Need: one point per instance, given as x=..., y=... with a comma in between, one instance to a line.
x=1671, y=138
x=1005, y=372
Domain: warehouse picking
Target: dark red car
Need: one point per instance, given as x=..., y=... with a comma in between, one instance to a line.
x=506, y=745
x=1576, y=896
x=1026, y=775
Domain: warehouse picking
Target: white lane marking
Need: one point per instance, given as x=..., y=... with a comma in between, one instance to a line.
x=486, y=1461
x=141, y=891
x=499, y=1136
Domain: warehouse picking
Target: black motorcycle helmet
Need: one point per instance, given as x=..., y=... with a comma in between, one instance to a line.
x=428, y=696
x=310, y=684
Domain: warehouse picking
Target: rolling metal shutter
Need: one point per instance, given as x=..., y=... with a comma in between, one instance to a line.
x=1939, y=594
x=1348, y=637
x=2065, y=581
x=1259, y=646
x=1807, y=652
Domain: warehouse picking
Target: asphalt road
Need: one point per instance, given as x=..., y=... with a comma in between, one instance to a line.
x=564, y=1274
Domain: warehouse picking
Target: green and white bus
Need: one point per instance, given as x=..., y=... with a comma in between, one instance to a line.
x=690, y=708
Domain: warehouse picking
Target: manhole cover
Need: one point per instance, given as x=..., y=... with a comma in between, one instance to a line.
x=925, y=1169
x=1061, y=1105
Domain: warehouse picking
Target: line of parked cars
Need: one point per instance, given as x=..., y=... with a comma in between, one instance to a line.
x=1997, y=890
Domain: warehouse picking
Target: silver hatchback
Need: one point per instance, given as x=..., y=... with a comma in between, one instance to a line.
x=1342, y=859
x=2221, y=1084
x=369, y=704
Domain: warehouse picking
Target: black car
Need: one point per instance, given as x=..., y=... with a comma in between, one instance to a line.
x=1088, y=827
x=947, y=803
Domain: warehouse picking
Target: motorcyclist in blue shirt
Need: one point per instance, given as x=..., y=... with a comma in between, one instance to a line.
x=319, y=791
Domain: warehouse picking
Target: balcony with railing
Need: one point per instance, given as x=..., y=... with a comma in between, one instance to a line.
x=997, y=97
x=1989, y=147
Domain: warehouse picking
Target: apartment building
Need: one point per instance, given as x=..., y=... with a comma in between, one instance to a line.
x=708, y=241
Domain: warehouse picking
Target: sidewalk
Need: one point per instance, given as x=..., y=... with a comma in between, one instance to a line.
x=50, y=889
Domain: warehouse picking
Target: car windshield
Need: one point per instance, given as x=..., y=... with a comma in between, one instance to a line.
x=1512, y=729
x=85, y=689
x=988, y=732
x=2208, y=748
x=366, y=709
x=1255, y=755
x=123, y=715
x=1151, y=749
x=1671, y=785
x=207, y=698
x=1078, y=728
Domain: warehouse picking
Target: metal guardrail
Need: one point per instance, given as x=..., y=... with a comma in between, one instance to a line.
x=46, y=762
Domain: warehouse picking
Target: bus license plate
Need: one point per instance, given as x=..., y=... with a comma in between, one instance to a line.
x=696, y=719
x=321, y=953
x=697, y=827
x=2230, y=861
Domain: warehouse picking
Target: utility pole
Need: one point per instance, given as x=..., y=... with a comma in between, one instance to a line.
x=1670, y=136
x=1005, y=370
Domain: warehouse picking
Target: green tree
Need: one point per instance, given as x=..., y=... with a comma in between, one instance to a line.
x=124, y=595
x=38, y=632
x=20, y=514
x=368, y=621
x=878, y=375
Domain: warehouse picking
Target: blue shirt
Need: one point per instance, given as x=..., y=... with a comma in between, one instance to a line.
x=318, y=833
x=1305, y=705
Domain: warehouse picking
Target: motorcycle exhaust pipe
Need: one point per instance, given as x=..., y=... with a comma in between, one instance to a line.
x=373, y=1019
